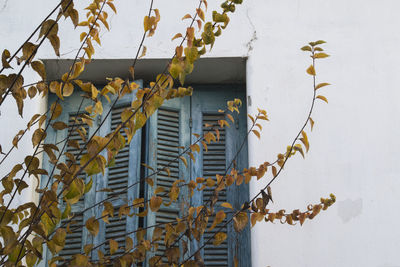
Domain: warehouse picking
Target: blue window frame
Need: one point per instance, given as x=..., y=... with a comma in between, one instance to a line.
x=169, y=129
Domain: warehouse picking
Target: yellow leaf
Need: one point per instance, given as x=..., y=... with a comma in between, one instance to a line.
x=59, y=125
x=230, y=117
x=311, y=70
x=306, y=48
x=68, y=89
x=187, y=16
x=140, y=120
x=82, y=36
x=319, y=42
x=28, y=51
x=113, y=246
x=240, y=221
x=155, y=203
x=55, y=110
x=93, y=226
x=200, y=13
x=178, y=35
x=256, y=133
x=144, y=50
x=74, y=15
x=251, y=118
x=38, y=66
x=304, y=139
x=83, y=23
x=183, y=160
x=95, y=92
x=112, y=6
x=219, y=238
x=55, y=43
x=4, y=57
x=227, y=205
x=38, y=136
x=204, y=145
x=311, y=123
x=298, y=147
x=132, y=72
x=32, y=91
x=322, y=98
x=274, y=171
x=302, y=218
x=98, y=108
x=147, y=23
x=321, y=85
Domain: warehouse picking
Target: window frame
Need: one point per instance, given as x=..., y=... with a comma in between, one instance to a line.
x=135, y=157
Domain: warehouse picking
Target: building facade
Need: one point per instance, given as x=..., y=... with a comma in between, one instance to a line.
x=354, y=143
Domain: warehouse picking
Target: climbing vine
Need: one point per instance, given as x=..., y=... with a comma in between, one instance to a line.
x=30, y=229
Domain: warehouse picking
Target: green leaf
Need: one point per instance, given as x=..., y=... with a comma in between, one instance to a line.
x=321, y=55
x=88, y=186
x=140, y=120
x=59, y=237
x=75, y=191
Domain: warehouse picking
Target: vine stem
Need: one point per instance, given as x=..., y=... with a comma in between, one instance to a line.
x=245, y=207
x=33, y=33
x=32, y=55
x=69, y=73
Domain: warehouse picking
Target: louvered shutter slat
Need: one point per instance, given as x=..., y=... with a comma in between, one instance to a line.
x=73, y=241
x=214, y=162
x=168, y=133
x=118, y=176
x=116, y=230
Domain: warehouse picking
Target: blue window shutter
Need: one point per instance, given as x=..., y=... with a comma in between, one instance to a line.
x=74, y=242
x=206, y=101
x=124, y=174
x=122, y=177
x=168, y=130
x=163, y=134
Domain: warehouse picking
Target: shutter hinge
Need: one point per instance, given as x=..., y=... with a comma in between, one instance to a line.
x=190, y=122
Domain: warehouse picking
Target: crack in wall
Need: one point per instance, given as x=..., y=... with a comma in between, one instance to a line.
x=250, y=44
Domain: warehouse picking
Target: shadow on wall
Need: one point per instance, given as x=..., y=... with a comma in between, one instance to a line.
x=349, y=209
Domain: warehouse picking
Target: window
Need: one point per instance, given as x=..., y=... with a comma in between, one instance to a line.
x=162, y=139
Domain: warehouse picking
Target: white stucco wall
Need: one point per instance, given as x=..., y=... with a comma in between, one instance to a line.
x=354, y=145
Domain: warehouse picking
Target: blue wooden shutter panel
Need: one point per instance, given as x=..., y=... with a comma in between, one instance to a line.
x=206, y=101
x=79, y=237
x=167, y=132
x=123, y=176
x=162, y=141
x=214, y=162
x=73, y=242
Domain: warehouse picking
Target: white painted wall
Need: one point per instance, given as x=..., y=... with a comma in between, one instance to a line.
x=354, y=145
